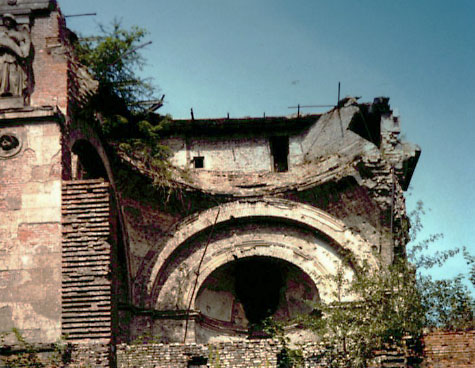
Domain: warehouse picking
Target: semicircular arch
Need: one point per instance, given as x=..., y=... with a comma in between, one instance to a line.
x=312, y=218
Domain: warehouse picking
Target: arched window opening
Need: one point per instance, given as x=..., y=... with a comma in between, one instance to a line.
x=241, y=294
x=86, y=162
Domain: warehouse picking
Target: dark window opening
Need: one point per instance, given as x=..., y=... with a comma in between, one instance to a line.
x=199, y=162
x=197, y=362
x=255, y=288
x=259, y=282
x=279, y=148
x=89, y=165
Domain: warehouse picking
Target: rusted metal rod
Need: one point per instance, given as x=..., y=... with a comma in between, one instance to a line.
x=338, y=94
x=305, y=106
x=80, y=15
x=198, y=274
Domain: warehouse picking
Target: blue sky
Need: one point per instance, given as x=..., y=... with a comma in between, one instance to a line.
x=248, y=57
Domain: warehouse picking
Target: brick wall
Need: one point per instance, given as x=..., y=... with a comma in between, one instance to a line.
x=442, y=350
x=449, y=349
x=248, y=354
x=50, y=63
x=86, y=296
x=242, y=354
x=86, y=282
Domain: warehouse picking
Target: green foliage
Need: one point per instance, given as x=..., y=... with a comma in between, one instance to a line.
x=113, y=59
x=30, y=356
x=387, y=309
x=288, y=357
x=447, y=303
x=146, y=338
x=214, y=357
x=391, y=304
x=143, y=144
x=470, y=259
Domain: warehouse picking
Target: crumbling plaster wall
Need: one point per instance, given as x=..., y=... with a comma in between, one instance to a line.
x=358, y=208
x=351, y=181
x=166, y=248
x=164, y=244
x=226, y=154
x=329, y=135
x=30, y=231
x=343, y=239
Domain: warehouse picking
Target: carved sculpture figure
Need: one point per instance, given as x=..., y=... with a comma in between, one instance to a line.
x=15, y=44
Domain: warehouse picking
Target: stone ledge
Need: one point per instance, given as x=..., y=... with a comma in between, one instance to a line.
x=30, y=112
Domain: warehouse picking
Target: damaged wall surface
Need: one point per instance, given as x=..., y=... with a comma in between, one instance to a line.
x=256, y=216
x=338, y=196
x=30, y=225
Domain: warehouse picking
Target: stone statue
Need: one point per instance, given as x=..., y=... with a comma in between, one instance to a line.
x=15, y=45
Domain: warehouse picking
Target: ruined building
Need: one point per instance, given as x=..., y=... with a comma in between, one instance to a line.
x=255, y=214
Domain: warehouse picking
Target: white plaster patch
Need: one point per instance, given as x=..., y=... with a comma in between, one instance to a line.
x=216, y=304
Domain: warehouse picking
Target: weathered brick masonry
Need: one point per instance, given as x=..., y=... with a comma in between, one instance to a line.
x=250, y=354
x=441, y=350
x=30, y=226
x=86, y=283
x=31, y=170
x=449, y=349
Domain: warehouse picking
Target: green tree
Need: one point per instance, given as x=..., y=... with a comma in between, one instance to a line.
x=393, y=304
x=387, y=309
x=447, y=303
x=113, y=58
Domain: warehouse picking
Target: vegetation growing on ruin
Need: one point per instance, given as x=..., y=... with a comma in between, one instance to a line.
x=394, y=306
x=393, y=309
x=123, y=105
x=29, y=355
x=113, y=58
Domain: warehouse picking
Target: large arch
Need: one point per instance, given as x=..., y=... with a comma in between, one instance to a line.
x=171, y=284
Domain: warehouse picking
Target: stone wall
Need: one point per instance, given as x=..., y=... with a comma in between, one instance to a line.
x=243, y=354
x=30, y=226
x=441, y=349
